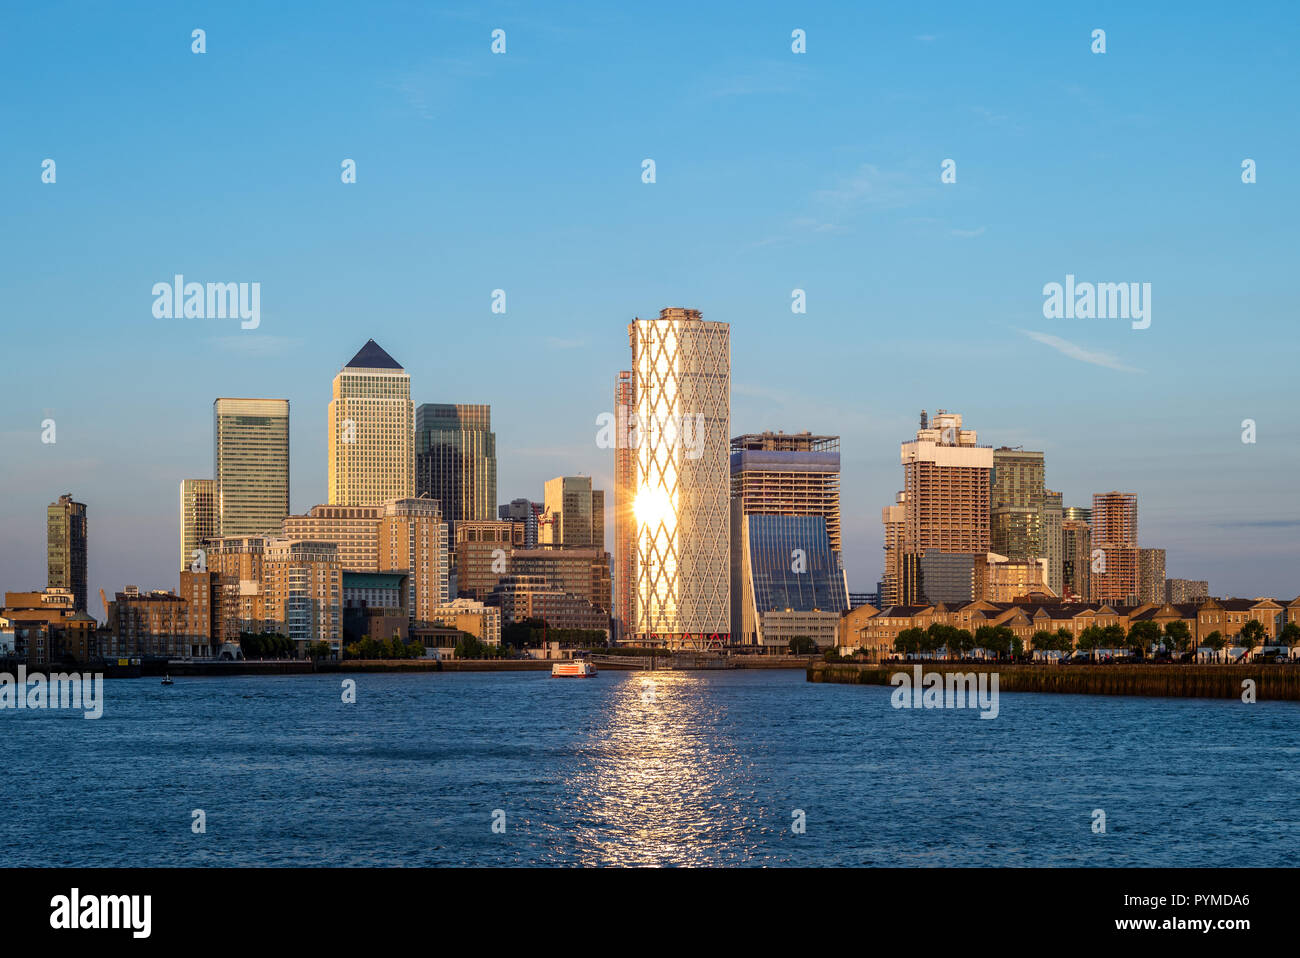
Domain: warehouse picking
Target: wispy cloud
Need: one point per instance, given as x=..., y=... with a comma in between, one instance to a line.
x=967, y=234
x=1075, y=351
x=924, y=37
x=430, y=86
x=258, y=345
x=869, y=185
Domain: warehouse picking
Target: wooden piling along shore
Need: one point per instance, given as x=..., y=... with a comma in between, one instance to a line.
x=1272, y=682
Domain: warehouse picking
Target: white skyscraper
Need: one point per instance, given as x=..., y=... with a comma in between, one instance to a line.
x=681, y=389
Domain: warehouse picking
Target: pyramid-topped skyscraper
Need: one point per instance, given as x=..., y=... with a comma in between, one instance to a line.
x=372, y=431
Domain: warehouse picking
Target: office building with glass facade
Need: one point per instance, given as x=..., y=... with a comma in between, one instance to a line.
x=250, y=465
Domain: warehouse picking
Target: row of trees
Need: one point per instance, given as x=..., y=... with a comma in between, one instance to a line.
x=266, y=645
x=394, y=648
x=531, y=633
x=469, y=647
x=1141, y=639
x=997, y=639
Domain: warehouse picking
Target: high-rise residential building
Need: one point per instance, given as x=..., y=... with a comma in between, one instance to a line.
x=482, y=553
x=1024, y=515
x=1053, y=540
x=250, y=465
x=681, y=389
x=1115, y=573
x=948, y=577
x=456, y=459
x=946, y=496
x=198, y=516
x=891, y=581
x=371, y=431
x=205, y=621
x=413, y=538
x=353, y=529
x=796, y=474
x=525, y=511
x=1076, y=557
x=65, y=554
x=624, y=570
x=574, y=514
x=399, y=535
x=303, y=586
x=1182, y=591
x=238, y=560
x=1077, y=514
x=1151, y=575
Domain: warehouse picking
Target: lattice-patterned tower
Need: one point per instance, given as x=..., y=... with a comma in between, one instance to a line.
x=681, y=389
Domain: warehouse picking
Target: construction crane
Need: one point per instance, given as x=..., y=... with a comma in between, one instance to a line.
x=543, y=518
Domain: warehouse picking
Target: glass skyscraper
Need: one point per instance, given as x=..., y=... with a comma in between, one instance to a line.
x=251, y=465
x=456, y=459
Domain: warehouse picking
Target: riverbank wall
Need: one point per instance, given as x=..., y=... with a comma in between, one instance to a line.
x=1272, y=682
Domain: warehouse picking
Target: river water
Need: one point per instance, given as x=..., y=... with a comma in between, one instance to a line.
x=633, y=768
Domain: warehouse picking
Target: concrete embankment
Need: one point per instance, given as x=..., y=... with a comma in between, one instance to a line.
x=433, y=665
x=1272, y=682
x=686, y=662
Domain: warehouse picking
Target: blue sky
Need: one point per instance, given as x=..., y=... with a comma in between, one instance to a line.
x=775, y=171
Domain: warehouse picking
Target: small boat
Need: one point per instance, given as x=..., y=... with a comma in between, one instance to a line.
x=167, y=680
x=575, y=669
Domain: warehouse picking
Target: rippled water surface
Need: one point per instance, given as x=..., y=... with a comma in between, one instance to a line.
x=687, y=768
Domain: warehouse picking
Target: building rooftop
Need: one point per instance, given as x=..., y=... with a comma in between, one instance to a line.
x=785, y=442
x=372, y=356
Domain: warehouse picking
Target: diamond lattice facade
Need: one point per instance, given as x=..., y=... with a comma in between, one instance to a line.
x=681, y=387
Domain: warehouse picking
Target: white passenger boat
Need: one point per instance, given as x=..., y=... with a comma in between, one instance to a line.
x=575, y=669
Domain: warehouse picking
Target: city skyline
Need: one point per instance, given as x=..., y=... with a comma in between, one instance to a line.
x=775, y=172
x=859, y=579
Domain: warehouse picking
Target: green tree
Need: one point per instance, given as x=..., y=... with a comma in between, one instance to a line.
x=1090, y=639
x=1291, y=635
x=1114, y=637
x=1253, y=634
x=908, y=641
x=802, y=645
x=1143, y=636
x=1064, y=640
x=1215, y=641
x=1178, y=637
x=1043, y=641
